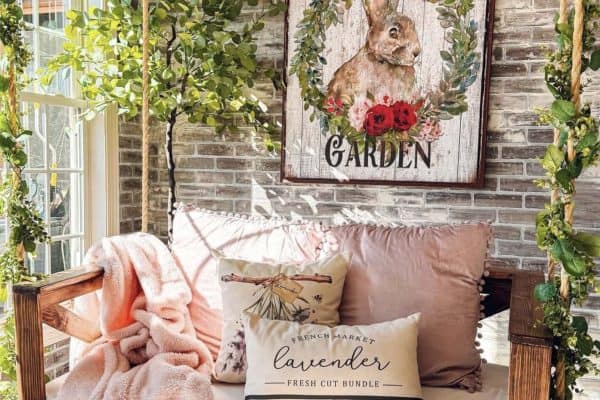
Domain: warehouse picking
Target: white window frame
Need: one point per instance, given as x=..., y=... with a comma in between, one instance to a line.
x=100, y=162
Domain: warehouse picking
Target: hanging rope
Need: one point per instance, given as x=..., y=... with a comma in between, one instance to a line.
x=145, y=111
x=569, y=206
x=575, y=97
x=555, y=195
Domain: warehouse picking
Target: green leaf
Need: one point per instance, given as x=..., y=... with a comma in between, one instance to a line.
x=544, y=292
x=563, y=177
x=161, y=13
x=587, y=243
x=595, y=60
x=29, y=246
x=7, y=141
x=585, y=345
x=4, y=83
x=248, y=63
x=564, y=251
x=19, y=158
x=580, y=324
x=553, y=158
x=562, y=28
x=563, y=110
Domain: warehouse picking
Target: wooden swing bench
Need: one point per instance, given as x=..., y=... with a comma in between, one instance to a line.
x=39, y=303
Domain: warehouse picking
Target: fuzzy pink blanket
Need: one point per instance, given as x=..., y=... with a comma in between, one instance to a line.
x=148, y=349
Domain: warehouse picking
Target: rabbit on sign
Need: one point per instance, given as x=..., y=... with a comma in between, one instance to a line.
x=385, y=62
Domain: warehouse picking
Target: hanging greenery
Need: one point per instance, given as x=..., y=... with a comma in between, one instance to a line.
x=26, y=227
x=202, y=63
x=461, y=65
x=576, y=148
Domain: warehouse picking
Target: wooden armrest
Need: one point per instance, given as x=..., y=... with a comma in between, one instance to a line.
x=38, y=302
x=63, y=285
x=531, y=341
x=526, y=314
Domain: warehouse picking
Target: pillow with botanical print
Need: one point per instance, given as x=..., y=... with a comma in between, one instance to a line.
x=305, y=293
x=292, y=361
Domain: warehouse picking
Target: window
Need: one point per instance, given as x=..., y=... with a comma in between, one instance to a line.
x=61, y=166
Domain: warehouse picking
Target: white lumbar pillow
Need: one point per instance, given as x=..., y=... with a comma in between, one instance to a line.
x=289, y=360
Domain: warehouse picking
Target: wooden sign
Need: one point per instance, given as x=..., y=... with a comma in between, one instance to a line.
x=389, y=72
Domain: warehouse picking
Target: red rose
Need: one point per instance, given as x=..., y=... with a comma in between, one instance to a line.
x=405, y=116
x=378, y=120
x=335, y=106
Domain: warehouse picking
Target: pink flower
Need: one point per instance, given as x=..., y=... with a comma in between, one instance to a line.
x=430, y=131
x=358, y=112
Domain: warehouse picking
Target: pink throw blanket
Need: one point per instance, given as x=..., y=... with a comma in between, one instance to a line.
x=148, y=349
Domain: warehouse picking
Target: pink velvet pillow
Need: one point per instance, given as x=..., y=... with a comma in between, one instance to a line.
x=435, y=271
x=196, y=233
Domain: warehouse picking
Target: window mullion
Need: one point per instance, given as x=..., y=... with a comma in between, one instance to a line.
x=43, y=120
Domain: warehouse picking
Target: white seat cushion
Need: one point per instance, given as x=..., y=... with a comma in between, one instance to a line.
x=495, y=383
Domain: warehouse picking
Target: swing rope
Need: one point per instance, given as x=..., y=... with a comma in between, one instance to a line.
x=145, y=111
x=569, y=207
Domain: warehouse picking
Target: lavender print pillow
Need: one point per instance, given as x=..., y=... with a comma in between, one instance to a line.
x=309, y=293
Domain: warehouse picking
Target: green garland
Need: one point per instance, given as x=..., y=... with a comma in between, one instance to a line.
x=461, y=64
x=573, y=250
x=26, y=226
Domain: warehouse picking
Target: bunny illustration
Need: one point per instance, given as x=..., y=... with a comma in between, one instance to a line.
x=386, y=61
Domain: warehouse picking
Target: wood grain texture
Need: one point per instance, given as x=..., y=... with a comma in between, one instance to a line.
x=456, y=157
x=525, y=312
x=529, y=372
x=66, y=321
x=64, y=285
x=36, y=303
x=29, y=347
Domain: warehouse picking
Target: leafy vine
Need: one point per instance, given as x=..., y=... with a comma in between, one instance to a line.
x=203, y=65
x=26, y=227
x=461, y=64
x=577, y=148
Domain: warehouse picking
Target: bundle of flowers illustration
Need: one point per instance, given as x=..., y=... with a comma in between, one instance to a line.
x=384, y=115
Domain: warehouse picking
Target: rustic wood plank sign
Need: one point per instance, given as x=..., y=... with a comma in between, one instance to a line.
x=393, y=71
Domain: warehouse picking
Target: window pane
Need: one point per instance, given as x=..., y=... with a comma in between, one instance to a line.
x=52, y=13
x=66, y=208
x=37, y=191
x=49, y=45
x=34, y=144
x=3, y=233
x=37, y=262
x=65, y=254
x=63, y=129
x=46, y=38
x=27, y=10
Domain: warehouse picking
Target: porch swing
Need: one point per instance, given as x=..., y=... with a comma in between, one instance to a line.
x=529, y=373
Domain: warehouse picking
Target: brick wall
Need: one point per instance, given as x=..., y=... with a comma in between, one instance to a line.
x=226, y=173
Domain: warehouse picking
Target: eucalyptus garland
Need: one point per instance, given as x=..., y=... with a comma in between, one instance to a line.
x=461, y=63
x=574, y=250
x=26, y=227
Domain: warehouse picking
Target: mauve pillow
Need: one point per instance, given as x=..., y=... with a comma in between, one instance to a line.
x=435, y=271
x=197, y=233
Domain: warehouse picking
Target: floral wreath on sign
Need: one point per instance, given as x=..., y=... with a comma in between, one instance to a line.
x=386, y=116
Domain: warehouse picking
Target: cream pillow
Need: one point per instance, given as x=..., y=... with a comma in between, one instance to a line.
x=306, y=293
x=289, y=360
